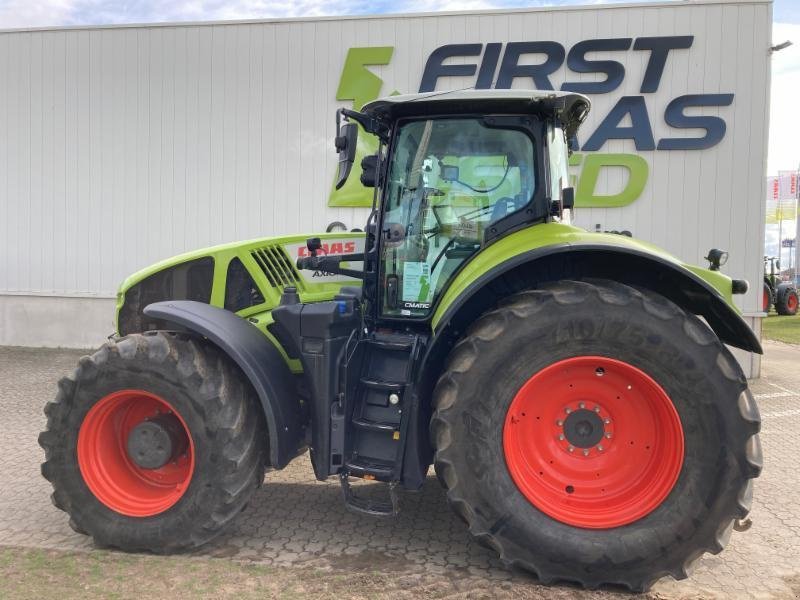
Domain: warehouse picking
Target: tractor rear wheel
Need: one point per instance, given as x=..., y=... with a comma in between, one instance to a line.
x=594, y=433
x=786, y=301
x=154, y=443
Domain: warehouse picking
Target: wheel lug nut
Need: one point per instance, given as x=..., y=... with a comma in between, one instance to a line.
x=568, y=410
x=608, y=435
x=561, y=437
x=582, y=405
x=559, y=422
x=571, y=448
x=600, y=448
x=585, y=452
x=597, y=409
x=606, y=421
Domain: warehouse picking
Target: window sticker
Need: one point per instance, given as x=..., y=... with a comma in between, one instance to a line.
x=416, y=282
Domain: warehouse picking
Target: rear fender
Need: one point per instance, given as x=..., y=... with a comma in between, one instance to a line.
x=260, y=361
x=626, y=265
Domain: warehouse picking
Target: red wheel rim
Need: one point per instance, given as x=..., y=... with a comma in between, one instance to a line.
x=766, y=300
x=593, y=442
x=791, y=302
x=108, y=471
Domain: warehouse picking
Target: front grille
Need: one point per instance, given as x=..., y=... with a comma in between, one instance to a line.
x=276, y=265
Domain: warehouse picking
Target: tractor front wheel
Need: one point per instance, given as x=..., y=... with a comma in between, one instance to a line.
x=593, y=433
x=155, y=443
x=767, y=300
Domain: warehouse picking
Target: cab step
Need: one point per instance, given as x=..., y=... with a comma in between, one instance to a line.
x=388, y=341
x=384, y=386
x=375, y=425
x=376, y=406
x=369, y=506
x=370, y=469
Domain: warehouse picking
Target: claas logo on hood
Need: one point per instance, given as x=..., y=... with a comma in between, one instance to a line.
x=328, y=249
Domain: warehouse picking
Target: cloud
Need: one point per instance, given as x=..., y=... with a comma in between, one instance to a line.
x=788, y=59
x=23, y=13
x=771, y=240
x=784, y=149
x=147, y=11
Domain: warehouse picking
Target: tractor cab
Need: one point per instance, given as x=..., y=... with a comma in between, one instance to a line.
x=454, y=172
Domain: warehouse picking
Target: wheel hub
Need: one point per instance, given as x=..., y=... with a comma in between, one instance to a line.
x=583, y=428
x=156, y=441
x=135, y=453
x=593, y=442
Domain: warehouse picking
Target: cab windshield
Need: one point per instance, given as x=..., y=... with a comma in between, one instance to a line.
x=449, y=180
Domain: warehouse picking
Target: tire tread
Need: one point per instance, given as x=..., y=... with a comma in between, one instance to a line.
x=527, y=303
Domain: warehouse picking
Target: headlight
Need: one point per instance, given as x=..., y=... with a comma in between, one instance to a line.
x=716, y=258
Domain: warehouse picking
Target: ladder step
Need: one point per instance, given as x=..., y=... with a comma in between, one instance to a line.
x=375, y=426
x=375, y=508
x=392, y=343
x=385, y=386
x=362, y=466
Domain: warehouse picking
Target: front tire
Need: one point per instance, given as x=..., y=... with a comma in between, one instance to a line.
x=767, y=299
x=668, y=482
x=182, y=489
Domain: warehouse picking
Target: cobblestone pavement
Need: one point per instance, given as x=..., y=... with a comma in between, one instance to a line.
x=296, y=521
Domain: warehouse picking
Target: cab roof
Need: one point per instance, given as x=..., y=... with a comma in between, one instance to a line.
x=570, y=108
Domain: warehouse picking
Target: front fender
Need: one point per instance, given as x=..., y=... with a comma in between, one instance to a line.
x=259, y=360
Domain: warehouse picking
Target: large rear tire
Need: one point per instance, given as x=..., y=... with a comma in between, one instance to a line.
x=163, y=497
x=593, y=433
x=786, y=299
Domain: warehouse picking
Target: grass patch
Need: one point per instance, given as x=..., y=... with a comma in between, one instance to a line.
x=32, y=573
x=782, y=329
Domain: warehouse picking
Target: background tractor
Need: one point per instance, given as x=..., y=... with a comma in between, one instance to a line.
x=572, y=390
x=780, y=294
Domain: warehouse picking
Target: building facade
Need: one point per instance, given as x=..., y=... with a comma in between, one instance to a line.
x=123, y=145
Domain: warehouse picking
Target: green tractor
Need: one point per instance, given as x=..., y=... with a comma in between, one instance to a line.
x=780, y=294
x=572, y=390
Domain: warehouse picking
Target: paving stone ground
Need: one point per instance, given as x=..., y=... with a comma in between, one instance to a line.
x=295, y=521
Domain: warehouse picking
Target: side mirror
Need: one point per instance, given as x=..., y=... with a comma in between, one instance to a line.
x=572, y=144
x=369, y=170
x=346, y=140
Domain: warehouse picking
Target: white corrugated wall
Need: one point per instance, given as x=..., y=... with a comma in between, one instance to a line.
x=120, y=146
